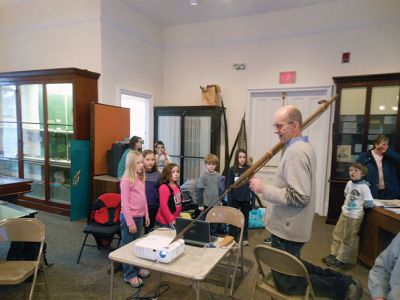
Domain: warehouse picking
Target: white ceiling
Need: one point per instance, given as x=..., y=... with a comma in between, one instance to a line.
x=177, y=12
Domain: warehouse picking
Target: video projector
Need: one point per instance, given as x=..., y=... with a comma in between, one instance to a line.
x=157, y=247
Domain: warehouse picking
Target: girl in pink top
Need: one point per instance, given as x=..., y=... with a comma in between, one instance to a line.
x=133, y=209
x=167, y=212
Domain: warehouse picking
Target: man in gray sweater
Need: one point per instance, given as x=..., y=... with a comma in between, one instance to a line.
x=290, y=203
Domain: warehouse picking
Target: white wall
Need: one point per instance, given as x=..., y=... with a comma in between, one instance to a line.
x=308, y=40
x=49, y=34
x=131, y=52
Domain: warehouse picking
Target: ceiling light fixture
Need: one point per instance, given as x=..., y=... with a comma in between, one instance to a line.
x=194, y=2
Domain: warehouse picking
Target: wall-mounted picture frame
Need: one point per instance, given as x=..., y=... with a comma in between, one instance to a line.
x=343, y=153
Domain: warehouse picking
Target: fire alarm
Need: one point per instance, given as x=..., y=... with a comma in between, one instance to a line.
x=345, y=57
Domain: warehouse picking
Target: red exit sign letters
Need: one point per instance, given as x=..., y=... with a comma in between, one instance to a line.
x=287, y=77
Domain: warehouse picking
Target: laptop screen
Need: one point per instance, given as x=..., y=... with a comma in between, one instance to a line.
x=198, y=233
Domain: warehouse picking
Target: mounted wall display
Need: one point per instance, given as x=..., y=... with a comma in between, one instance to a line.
x=343, y=153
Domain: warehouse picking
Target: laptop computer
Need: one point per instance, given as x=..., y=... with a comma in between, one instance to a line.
x=198, y=235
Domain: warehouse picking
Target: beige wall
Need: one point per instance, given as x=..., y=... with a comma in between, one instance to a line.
x=308, y=40
x=132, y=53
x=50, y=34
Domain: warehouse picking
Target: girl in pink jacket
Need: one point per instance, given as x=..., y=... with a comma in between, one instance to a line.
x=133, y=209
x=170, y=196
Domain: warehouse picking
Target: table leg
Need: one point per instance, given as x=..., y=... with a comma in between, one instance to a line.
x=112, y=280
x=196, y=284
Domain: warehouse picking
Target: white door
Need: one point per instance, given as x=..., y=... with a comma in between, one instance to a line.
x=262, y=105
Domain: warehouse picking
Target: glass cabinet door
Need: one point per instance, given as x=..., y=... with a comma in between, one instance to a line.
x=60, y=133
x=197, y=145
x=350, y=129
x=169, y=131
x=8, y=131
x=33, y=137
x=383, y=112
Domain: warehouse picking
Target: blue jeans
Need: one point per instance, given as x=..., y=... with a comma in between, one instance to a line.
x=325, y=282
x=129, y=271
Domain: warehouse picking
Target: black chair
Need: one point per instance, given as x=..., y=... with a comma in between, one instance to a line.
x=104, y=234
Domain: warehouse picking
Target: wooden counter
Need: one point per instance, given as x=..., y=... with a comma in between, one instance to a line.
x=378, y=229
x=104, y=184
x=11, y=187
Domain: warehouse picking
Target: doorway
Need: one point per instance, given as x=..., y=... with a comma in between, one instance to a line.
x=141, y=109
x=262, y=105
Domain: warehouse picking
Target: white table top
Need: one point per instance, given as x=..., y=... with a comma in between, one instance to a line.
x=195, y=263
x=9, y=210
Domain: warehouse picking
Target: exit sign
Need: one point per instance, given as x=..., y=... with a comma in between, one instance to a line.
x=287, y=77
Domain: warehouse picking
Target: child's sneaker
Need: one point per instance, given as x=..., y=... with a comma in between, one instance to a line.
x=329, y=259
x=246, y=243
x=336, y=263
x=143, y=273
x=135, y=282
x=267, y=241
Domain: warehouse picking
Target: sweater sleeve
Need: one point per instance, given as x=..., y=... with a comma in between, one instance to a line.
x=121, y=164
x=367, y=197
x=164, y=209
x=385, y=274
x=125, y=193
x=297, y=172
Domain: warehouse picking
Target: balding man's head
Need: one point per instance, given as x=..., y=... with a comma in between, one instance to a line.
x=287, y=123
x=293, y=114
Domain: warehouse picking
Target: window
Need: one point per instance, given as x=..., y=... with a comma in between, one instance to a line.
x=139, y=105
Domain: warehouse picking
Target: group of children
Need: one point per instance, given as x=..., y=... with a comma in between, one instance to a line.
x=150, y=198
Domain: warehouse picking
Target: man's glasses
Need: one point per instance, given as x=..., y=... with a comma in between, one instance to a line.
x=279, y=126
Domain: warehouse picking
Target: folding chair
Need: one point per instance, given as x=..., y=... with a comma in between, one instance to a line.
x=230, y=216
x=282, y=262
x=21, y=230
x=101, y=231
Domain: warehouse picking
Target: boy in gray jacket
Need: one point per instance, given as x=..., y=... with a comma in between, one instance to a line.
x=209, y=187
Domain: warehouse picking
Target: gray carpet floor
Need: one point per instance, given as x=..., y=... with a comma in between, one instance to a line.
x=66, y=279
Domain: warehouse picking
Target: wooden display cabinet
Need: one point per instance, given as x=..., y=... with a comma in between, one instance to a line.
x=367, y=106
x=189, y=134
x=44, y=122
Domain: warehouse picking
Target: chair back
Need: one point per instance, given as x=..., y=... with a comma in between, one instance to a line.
x=227, y=215
x=282, y=262
x=231, y=216
x=22, y=230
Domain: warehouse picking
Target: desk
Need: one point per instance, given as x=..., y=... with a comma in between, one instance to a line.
x=9, y=210
x=11, y=187
x=378, y=229
x=194, y=264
